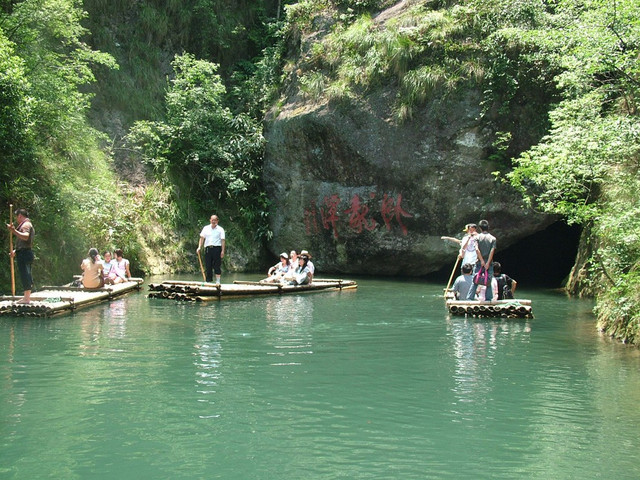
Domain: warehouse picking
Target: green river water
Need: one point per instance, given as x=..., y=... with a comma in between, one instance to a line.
x=378, y=383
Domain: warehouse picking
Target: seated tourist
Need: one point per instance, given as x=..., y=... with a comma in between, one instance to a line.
x=302, y=274
x=92, y=270
x=481, y=293
x=310, y=264
x=121, y=268
x=506, y=285
x=108, y=269
x=463, y=283
x=278, y=271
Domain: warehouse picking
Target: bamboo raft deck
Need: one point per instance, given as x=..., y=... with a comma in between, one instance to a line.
x=55, y=300
x=203, y=292
x=512, y=308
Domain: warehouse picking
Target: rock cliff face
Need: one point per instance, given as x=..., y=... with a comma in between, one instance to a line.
x=366, y=195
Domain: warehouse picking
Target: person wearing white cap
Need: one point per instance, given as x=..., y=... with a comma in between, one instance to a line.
x=278, y=271
x=467, y=244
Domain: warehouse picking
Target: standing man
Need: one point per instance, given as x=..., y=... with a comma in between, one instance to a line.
x=212, y=236
x=485, y=248
x=23, y=252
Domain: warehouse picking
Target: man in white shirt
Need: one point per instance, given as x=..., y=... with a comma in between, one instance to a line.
x=212, y=236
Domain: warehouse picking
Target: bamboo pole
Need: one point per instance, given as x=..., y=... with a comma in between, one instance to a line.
x=204, y=278
x=453, y=272
x=13, y=272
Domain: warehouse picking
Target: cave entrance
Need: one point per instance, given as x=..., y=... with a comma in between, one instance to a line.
x=543, y=259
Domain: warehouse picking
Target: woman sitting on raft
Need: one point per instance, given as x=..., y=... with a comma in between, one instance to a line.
x=278, y=271
x=121, y=267
x=302, y=275
x=108, y=268
x=92, y=270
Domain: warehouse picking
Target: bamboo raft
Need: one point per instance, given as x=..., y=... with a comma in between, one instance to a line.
x=513, y=308
x=203, y=292
x=50, y=301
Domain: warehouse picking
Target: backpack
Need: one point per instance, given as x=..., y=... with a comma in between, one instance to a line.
x=504, y=287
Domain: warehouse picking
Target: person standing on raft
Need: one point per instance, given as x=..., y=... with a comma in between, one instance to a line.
x=485, y=248
x=467, y=244
x=23, y=252
x=213, y=238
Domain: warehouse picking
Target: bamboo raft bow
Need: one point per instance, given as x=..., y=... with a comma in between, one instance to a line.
x=203, y=291
x=55, y=300
x=514, y=308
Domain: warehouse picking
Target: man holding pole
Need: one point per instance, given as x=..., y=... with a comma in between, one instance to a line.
x=213, y=238
x=23, y=252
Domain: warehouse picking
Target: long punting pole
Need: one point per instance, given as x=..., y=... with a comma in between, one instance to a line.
x=13, y=272
x=204, y=278
x=453, y=272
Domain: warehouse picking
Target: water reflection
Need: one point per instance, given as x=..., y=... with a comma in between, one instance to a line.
x=476, y=343
x=316, y=386
x=116, y=319
x=208, y=354
x=289, y=319
x=111, y=323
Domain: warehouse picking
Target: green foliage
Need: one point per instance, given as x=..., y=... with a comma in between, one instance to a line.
x=203, y=148
x=15, y=109
x=586, y=168
x=145, y=36
x=426, y=51
x=53, y=163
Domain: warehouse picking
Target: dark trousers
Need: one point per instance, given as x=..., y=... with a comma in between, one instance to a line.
x=212, y=261
x=24, y=258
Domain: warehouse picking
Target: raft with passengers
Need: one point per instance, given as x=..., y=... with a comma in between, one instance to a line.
x=282, y=278
x=205, y=291
x=102, y=280
x=56, y=300
x=482, y=290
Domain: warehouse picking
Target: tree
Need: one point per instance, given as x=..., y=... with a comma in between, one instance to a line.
x=586, y=168
x=202, y=149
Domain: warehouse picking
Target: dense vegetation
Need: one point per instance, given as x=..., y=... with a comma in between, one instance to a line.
x=570, y=68
x=572, y=65
x=53, y=162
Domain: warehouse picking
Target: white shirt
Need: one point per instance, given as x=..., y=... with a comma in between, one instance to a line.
x=212, y=236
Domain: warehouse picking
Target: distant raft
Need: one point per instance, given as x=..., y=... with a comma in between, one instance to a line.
x=513, y=308
x=50, y=301
x=203, y=291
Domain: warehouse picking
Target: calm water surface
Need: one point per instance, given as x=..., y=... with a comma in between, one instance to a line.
x=380, y=383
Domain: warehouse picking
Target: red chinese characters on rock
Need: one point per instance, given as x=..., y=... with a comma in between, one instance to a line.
x=358, y=215
x=393, y=209
x=330, y=214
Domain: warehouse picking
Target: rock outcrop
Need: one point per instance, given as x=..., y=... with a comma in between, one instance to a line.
x=367, y=195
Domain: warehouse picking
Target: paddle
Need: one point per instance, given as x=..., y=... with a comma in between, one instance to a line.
x=453, y=272
x=204, y=278
x=13, y=273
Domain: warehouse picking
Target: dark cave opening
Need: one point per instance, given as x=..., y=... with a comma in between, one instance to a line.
x=543, y=259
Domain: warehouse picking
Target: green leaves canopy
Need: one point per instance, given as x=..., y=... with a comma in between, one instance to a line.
x=201, y=142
